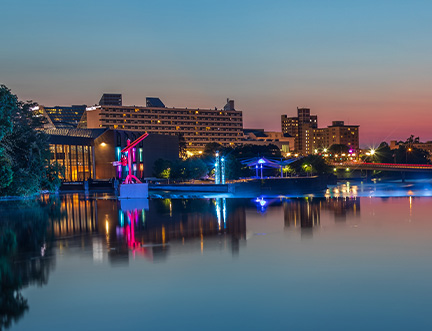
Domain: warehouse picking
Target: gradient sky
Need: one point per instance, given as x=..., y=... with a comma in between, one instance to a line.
x=365, y=62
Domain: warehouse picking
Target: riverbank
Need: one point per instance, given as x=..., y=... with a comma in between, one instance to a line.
x=248, y=188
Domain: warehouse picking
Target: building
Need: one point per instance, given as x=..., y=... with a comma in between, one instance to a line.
x=425, y=146
x=301, y=128
x=284, y=142
x=60, y=117
x=304, y=128
x=197, y=126
x=111, y=99
x=90, y=153
x=340, y=134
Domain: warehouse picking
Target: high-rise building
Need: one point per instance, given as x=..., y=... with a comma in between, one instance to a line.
x=309, y=137
x=198, y=127
x=300, y=127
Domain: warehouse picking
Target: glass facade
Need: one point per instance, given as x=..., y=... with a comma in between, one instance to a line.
x=77, y=160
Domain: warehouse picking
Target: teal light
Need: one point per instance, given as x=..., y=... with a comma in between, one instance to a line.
x=118, y=153
x=121, y=217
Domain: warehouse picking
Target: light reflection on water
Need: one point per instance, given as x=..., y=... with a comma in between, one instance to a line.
x=339, y=262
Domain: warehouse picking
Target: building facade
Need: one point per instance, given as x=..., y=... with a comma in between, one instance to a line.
x=197, y=126
x=300, y=128
x=304, y=128
x=60, y=117
x=90, y=153
x=340, y=134
x=111, y=99
x=284, y=142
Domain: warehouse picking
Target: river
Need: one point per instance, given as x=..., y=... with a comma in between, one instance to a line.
x=357, y=257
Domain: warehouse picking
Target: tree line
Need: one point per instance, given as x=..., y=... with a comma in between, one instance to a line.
x=25, y=166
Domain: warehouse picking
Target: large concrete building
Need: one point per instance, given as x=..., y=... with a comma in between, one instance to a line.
x=197, y=126
x=90, y=153
x=309, y=137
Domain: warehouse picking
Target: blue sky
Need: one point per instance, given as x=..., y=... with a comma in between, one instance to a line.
x=365, y=62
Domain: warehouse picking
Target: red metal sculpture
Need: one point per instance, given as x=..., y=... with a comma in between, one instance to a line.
x=128, y=150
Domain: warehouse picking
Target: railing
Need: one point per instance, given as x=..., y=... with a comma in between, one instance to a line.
x=382, y=166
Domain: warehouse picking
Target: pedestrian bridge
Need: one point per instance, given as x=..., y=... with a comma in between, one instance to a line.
x=351, y=166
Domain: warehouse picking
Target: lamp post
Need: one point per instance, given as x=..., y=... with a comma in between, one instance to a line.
x=217, y=169
x=223, y=169
x=409, y=149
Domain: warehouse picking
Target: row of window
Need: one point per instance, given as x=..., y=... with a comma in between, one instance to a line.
x=186, y=131
x=176, y=112
x=159, y=124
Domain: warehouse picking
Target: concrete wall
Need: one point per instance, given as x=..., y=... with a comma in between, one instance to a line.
x=93, y=119
x=104, y=149
x=157, y=146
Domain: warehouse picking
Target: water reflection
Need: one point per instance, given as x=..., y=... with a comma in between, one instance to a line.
x=25, y=254
x=116, y=232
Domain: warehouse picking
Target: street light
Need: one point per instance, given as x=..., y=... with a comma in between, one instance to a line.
x=409, y=149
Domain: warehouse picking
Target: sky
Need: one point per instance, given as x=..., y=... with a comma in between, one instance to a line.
x=365, y=62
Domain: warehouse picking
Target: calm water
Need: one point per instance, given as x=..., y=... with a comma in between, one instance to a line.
x=358, y=258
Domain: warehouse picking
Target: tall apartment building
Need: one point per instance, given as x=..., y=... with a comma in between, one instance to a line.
x=339, y=133
x=300, y=127
x=197, y=126
x=309, y=137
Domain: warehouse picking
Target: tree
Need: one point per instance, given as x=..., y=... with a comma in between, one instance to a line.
x=311, y=164
x=162, y=168
x=192, y=168
x=249, y=150
x=383, y=154
x=24, y=149
x=211, y=148
x=195, y=168
x=288, y=170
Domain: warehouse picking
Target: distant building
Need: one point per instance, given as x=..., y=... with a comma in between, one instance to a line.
x=426, y=146
x=197, y=126
x=62, y=117
x=89, y=153
x=339, y=133
x=309, y=137
x=301, y=128
x=111, y=99
x=284, y=142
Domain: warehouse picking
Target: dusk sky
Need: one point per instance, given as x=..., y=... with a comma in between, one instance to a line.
x=364, y=62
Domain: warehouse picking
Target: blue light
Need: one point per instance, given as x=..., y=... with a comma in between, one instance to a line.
x=222, y=159
x=261, y=161
x=261, y=201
